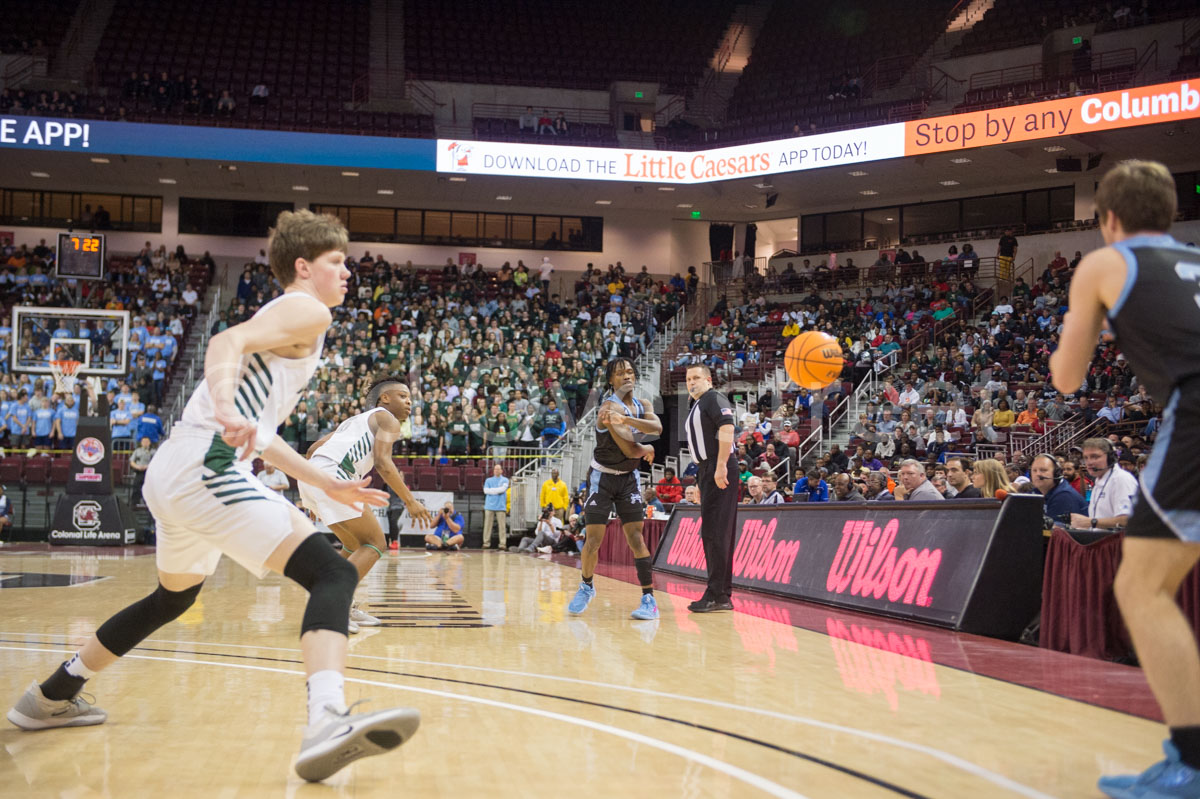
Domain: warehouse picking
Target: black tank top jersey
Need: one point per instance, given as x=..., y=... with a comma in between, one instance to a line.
x=1157, y=317
x=607, y=452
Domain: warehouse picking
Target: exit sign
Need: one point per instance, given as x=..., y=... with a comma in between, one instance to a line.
x=638, y=95
x=1077, y=40
x=696, y=214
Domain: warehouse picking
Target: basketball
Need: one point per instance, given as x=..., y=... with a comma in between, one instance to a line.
x=813, y=360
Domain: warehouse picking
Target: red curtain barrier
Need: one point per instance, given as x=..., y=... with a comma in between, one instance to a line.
x=1079, y=612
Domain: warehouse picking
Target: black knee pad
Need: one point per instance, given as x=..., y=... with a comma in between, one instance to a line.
x=134, y=624
x=330, y=581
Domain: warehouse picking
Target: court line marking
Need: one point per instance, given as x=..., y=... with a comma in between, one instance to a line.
x=998, y=780
x=762, y=783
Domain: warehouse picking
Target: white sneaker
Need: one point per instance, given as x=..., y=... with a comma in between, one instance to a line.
x=363, y=619
x=34, y=711
x=352, y=627
x=338, y=739
x=546, y=550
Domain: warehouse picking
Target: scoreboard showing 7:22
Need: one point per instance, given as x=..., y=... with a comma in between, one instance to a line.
x=81, y=256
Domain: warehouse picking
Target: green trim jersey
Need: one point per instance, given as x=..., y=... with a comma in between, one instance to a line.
x=268, y=389
x=351, y=448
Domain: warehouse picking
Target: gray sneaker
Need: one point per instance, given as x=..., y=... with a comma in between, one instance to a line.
x=341, y=738
x=34, y=711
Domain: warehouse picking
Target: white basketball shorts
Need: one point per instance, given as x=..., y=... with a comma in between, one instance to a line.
x=328, y=510
x=204, y=506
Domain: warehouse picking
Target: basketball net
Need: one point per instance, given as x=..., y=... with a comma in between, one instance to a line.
x=64, y=375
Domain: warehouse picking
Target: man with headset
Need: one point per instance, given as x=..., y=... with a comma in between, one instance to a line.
x=1113, y=489
x=1061, y=500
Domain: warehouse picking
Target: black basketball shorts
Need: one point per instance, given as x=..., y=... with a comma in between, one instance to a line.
x=609, y=492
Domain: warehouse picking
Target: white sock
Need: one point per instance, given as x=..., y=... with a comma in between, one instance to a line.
x=75, y=668
x=325, y=688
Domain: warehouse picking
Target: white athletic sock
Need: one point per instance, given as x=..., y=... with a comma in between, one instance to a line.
x=75, y=668
x=325, y=688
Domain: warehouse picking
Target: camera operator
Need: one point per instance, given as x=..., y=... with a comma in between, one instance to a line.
x=448, y=534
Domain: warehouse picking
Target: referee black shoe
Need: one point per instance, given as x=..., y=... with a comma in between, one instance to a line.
x=707, y=605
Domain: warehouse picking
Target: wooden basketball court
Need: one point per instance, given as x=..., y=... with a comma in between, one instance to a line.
x=520, y=699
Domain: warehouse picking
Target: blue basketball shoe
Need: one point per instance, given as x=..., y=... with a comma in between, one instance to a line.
x=647, y=610
x=1168, y=779
x=583, y=597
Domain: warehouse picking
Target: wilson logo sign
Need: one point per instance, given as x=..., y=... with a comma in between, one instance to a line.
x=756, y=556
x=869, y=564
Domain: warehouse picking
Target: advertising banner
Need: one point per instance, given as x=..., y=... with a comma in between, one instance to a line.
x=967, y=565
x=97, y=520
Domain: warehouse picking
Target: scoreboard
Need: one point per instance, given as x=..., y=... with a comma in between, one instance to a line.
x=80, y=256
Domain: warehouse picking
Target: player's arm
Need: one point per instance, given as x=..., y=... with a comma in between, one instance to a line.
x=284, y=325
x=387, y=431
x=349, y=492
x=649, y=423
x=611, y=417
x=1083, y=322
x=318, y=444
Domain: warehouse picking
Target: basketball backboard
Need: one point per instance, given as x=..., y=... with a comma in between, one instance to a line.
x=100, y=340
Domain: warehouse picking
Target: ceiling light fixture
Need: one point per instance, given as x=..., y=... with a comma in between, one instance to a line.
x=503, y=196
x=868, y=192
x=299, y=188
x=349, y=174
x=1054, y=148
x=167, y=181
x=666, y=188
x=948, y=182
x=603, y=202
x=858, y=173
x=890, y=219
x=1051, y=171
x=684, y=205
x=960, y=160
x=40, y=174
x=385, y=191
x=458, y=179
x=99, y=160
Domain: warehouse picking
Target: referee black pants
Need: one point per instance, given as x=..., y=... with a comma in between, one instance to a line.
x=718, y=512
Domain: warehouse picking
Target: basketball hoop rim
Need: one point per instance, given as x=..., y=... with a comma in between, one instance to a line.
x=66, y=367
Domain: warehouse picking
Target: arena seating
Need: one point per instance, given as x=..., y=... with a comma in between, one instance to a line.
x=563, y=45
x=309, y=69
x=1014, y=23
x=580, y=133
x=36, y=28
x=805, y=56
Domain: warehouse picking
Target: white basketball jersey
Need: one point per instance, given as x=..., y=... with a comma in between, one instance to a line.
x=351, y=447
x=268, y=389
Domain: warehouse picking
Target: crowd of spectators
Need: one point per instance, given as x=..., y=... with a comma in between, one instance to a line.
x=951, y=396
x=495, y=359
x=161, y=291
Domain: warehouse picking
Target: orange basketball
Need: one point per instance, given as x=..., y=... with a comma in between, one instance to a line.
x=813, y=360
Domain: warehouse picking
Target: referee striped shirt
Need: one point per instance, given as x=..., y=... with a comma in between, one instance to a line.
x=708, y=414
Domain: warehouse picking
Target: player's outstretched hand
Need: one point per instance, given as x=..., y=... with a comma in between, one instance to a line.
x=239, y=432
x=420, y=515
x=356, y=494
x=648, y=453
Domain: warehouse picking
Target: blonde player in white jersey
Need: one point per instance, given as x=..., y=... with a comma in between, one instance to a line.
x=359, y=444
x=206, y=502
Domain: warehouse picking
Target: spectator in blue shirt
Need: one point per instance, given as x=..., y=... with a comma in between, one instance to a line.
x=18, y=421
x=495, y=507
x=43, y=423
x=812, y=484
x=120, y=419
x=160, y=378
x=149, y=425
x=66, y=419
x=135, y=405
x=449, y=531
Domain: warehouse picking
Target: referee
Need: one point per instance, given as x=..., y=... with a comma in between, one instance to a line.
x=710, y=432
